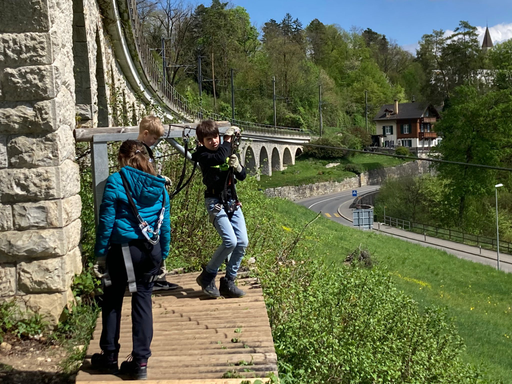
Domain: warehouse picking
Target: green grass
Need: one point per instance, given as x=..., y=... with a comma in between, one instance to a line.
x=478, y=297
x=311, y=170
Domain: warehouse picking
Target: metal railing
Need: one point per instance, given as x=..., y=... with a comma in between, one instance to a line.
x=448, y=234
x=177, y=102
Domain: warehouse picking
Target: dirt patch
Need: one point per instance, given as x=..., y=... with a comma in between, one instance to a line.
x=32, y=361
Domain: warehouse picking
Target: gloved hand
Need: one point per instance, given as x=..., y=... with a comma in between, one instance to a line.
x=100, y=267
x=168, y=181
x=232, y=130
x=233, y=162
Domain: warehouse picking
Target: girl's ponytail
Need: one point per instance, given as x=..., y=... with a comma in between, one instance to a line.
x=134, y=154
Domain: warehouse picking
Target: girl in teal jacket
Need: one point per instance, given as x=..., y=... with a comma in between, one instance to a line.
x=119, y=226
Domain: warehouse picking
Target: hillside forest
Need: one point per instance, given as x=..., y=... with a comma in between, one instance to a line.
x=306, y=59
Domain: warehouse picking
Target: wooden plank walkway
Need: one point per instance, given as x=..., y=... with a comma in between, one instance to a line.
x=198, y=340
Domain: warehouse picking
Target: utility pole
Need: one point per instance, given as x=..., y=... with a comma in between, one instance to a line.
x=366, y=109
x=199, y=76
x=163, y=58
x=274, y=100
x=232, y=97
x=213, y=80
x=320, y=108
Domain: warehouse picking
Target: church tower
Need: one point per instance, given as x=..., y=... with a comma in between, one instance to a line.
x=487, y=43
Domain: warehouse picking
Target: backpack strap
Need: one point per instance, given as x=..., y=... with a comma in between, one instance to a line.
x=151, y=235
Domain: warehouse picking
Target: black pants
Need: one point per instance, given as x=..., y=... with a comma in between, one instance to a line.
x=146, y=259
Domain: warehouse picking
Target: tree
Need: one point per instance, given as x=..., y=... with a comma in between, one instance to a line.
x=450, y=61
x=501, y=60
x=476, y=129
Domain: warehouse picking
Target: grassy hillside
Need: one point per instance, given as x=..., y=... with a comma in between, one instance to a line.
x=311, y=170
x=478, y=297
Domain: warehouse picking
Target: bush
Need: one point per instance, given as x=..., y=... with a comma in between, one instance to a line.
x=403, y=151
x=335, y=152
x=356, y=168
x=340, y=324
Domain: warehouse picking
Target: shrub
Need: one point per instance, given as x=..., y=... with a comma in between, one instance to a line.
x=356, y=168
x=339, y=324
x=403, y=151
x=334, y=152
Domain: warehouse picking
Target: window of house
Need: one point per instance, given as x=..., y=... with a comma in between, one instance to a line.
x=407, y=143
x=406, y=129
x=388, y=129
x=386, y=143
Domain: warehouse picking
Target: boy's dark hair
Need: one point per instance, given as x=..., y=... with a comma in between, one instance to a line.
x=206, y=128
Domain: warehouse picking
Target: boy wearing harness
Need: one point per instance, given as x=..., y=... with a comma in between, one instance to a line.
x=221, y=170
x=150, y=131
x=132, y=239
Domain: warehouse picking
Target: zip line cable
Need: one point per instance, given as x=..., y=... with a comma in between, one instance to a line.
x=390, y=155
x=263, y=140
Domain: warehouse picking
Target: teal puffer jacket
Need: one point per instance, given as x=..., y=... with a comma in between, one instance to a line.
x=117, y=224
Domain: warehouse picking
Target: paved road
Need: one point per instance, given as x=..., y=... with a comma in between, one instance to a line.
x=336, y=208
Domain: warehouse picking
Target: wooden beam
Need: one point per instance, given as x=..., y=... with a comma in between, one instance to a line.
x=125, y=133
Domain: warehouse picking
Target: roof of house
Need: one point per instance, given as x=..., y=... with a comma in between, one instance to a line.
x=405, y=111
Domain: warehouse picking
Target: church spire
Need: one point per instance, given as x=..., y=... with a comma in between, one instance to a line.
x=487, y=43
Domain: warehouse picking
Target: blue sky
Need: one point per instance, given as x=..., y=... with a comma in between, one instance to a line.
x=404, y=21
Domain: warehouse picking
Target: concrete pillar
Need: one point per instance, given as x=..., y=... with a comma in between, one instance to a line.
x=39, y=202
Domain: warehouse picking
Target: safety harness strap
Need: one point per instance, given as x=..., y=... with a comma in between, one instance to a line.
x=130, y=273
x=151, y=235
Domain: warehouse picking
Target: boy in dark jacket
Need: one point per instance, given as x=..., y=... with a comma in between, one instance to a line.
x=221, y=169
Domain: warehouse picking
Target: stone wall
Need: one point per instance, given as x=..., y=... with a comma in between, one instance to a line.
x=373, y=177
x=39, y=202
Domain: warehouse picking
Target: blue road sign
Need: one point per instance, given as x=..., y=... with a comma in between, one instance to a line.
x=354, y=192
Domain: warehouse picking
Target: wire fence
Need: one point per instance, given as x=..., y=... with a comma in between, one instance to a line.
x=448, y=234
x=178, y=103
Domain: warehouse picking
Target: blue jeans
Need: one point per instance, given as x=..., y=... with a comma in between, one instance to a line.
x=234, y=238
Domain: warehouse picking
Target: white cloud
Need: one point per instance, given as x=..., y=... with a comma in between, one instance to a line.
x=411, y=48
x=499, y=33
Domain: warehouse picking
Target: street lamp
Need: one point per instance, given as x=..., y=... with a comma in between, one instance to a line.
x=497, y=227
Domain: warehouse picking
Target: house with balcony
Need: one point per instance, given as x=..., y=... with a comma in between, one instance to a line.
x=408, y=125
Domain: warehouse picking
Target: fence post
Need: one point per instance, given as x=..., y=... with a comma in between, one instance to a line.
x=425, y=237
x=480, y=249
x=100, y=172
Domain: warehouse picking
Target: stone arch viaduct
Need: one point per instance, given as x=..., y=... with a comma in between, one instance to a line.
x=66, y=64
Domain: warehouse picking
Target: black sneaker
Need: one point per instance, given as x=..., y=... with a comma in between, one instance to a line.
x=228, y=288
x=206, y=281
x=133, y=370
x=105, y=362
x=164, y=285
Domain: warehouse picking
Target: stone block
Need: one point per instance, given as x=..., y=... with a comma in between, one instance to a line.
x=46, y=214
x=7, y=280
x=6, y=219
x=41, y=150
x=40, y=82
x=28, y=117
x=24, y=16
x=38, y=244
x=74, y=261
x=50, y=305
x=52, y=275
x=45, y=183
x=40, y=276
x=25, y=49
x=3, y=152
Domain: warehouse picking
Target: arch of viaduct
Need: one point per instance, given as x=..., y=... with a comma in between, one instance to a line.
x=58, y=73
x=260, y=157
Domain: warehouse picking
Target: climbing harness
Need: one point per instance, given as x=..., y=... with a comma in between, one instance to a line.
x=151, y=235
x=231, y=202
